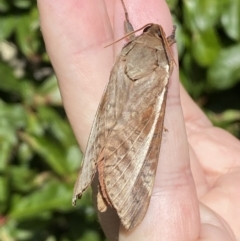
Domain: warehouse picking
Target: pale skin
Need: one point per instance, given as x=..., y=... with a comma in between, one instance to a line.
x=196, y=195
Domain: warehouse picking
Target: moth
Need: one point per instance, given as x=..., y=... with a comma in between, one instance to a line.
x=125, y=139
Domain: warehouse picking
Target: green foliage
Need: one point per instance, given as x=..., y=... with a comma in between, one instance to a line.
x=39, y=155
x=208, y=38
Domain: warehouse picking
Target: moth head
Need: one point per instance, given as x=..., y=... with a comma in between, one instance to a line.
x=155, y=30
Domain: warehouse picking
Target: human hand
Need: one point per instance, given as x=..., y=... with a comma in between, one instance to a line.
x=197, y=185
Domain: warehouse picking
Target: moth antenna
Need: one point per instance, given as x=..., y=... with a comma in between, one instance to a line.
x=129, y=34
x=125, y=11
x=127, y=24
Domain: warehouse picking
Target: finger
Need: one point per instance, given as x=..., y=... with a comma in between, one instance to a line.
x=214, y=227
x=221, y=147
x=75, y=32
x=140, y=13
x=174, y=204
x=195, y=118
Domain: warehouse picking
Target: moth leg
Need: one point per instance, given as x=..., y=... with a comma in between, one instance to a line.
x=102, y=206
x=171, y=39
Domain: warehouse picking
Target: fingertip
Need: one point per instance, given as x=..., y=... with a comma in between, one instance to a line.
x=142, y=12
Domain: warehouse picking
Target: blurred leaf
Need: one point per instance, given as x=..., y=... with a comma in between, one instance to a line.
x=61, y=130
x=6, y=233
x=226, y=116
x=35, y=126
x=7, y=26
x=172, y=4
x=49, y=150
x=10, y=232
x=205, y=46
x=24, y=152
x=22, y=3
x=9, y=82
x=12, y=115
x=50, y=92
x=229, y=120
x=231, y=19
x=4, y=6
x=59, y=127
x=4, y=193
x=53, y=195
x=225, y=71
x=27, y=33
x=22, y=178
x=8, y=51
x=19, y=87
x=202, y=14
x=12, y=118
x=90, y=236
x=74, y=157
x=6, y=152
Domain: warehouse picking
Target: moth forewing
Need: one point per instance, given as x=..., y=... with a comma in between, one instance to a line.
x=132, y=148
x=125, y=139
x=102, y=124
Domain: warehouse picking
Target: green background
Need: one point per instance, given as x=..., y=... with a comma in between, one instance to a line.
x=39, y=156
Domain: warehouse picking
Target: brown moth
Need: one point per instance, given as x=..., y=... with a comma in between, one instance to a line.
x=124, y=143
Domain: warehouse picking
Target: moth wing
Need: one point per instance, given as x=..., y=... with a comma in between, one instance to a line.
x=105, y=118
x=132, y=150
